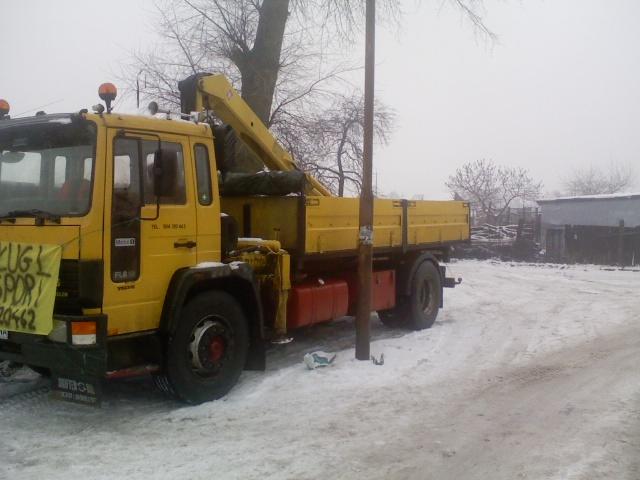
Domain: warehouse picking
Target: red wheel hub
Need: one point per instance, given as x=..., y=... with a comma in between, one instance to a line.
x=216, y=349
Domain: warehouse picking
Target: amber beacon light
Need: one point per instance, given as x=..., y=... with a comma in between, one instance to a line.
x=4, y=108
x=108, y=93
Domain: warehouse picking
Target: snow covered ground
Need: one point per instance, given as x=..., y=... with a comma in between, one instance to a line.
x=530, y=372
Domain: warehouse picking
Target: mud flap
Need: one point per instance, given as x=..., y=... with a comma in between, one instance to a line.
x=76, y=389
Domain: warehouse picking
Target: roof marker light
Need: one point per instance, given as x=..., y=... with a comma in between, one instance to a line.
x=108, y=93
x=4, y=108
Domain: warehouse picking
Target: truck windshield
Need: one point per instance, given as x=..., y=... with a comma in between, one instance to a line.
x=46, y=167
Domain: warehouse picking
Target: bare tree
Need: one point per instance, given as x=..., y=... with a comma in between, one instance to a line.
x=274, y=51
x=329, y=143
x=491, y=188
x=254, y=42
x=280, y=54
x=593, y=180
x=472, y=11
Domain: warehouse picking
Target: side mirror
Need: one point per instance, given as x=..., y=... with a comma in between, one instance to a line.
x=165, y=169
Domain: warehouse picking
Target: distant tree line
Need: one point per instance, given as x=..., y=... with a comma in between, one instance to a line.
x=492, y=189
x=592, y=180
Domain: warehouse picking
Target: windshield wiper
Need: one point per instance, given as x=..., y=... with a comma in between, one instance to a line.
x=39, y=215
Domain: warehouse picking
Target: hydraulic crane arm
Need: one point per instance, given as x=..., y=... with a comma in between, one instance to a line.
x=202, y=92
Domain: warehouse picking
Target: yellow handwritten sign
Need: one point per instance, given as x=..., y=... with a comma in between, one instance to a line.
x=28, y=280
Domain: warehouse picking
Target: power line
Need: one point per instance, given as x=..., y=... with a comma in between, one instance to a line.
x=39, y=108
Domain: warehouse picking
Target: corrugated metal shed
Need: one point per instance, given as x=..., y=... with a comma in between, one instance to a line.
x=592, y=210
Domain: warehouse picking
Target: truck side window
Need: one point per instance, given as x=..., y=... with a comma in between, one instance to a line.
x=88, y=167
x=59, y=171
x=203, y=174
x=26, y=171
x=125, y=211
x=149, y=148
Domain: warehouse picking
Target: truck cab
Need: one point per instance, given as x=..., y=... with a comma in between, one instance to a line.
x=88, y=183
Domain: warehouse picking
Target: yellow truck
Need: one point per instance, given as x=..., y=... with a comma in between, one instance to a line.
x=129, y=246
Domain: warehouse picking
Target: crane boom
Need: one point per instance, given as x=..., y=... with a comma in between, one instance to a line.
x=202, y=92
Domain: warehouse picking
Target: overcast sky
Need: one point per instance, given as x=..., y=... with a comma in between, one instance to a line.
x=561, y=88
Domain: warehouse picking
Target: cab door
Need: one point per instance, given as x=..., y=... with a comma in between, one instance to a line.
x=208, y=201
x=144, y=245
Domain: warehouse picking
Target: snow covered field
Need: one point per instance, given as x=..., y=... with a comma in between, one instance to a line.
x=530, y=372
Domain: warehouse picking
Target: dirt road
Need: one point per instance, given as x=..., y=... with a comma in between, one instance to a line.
x=530, y=372
x=574, y=414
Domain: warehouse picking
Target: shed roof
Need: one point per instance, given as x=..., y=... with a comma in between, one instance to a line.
x=607, y=196
x=592, y=210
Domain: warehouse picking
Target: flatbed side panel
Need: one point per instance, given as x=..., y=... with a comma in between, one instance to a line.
x=437, y=222
x=332, y=224
x=271, y=218
x=387, y=223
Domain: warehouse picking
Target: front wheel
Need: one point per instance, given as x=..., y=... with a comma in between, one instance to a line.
x=208, y=350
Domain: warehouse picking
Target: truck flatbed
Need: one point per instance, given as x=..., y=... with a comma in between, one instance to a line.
x=325, y=225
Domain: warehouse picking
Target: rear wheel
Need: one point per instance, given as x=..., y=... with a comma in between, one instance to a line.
x=420, y=309
x=426, y=296
x=397, y=316
x=208, y=351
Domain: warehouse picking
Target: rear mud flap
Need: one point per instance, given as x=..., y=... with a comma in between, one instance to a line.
x=75, y=389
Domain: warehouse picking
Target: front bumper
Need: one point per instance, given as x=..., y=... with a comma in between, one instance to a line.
x=60, y=357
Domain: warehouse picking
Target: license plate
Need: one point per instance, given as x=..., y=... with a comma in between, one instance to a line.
x=4, y=335
x=77, y=390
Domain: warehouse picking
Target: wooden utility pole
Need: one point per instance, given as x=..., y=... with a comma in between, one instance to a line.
x=365, y=247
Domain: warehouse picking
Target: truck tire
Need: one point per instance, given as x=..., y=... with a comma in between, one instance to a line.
x=420, y=309
x=425, y=298
x=397, y=316
x=208, y=350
